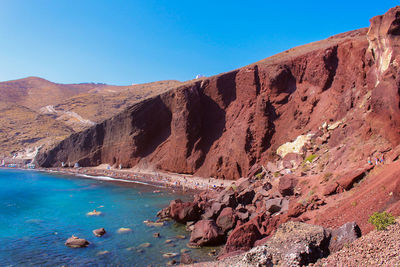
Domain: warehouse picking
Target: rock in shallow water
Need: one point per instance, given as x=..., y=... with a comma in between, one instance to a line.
x=124, y=230
x=76, y=242
x=186, y=259
x=156, y=235
x=104, y=252
x=99, y=232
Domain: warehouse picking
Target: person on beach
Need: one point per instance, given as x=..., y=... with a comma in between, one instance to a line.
x=369, y=161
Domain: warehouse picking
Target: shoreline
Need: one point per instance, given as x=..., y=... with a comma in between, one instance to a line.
x=181, y=182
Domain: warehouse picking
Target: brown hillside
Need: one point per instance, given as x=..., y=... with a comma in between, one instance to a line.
x=23, y=128
x=34, y=92
x=33, y=106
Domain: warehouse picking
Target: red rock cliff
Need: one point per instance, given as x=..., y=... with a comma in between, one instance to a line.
x=222, y=125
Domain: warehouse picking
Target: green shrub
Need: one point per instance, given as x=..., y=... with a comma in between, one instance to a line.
x=310, y=158
x=259, y=176
x=381, y=220
x=234, y=187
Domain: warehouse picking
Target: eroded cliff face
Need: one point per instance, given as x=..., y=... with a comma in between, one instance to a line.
x=222, y=125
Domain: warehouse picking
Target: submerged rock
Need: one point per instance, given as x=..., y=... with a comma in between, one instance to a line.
x=152, y=223
x=170, y=255
x=145, y=245
x=186, y=259
x=156, y=235
x=123, y=230
x=104, y=252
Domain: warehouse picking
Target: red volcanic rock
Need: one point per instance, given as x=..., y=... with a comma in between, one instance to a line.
x=75, y=242
x=243, y=216
x=295, y=209
x=276, y=205
x=206, y=233
x=226, y=220
x=242, y=238
x=246, y=197
x=347, y=180
x=330, y=189
x=228, y=199
x=292, y=160
x=287, y=184
x=99, y=232
x=224, y=125
x=213, y=211
x=343, y=236
x=244, y=183
x=186, y=259
x=254, y=170
x=184, y=211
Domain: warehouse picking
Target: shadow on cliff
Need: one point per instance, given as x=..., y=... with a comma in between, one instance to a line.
x=213, y=119
x=154, y=127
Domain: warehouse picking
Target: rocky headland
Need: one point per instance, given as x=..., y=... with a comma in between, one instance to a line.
x=310, y=136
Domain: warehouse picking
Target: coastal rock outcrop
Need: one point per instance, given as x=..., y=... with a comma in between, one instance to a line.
x=242, y=238
x=206, y=233
x=293, y=244
x=184, y=211
x=226, y=219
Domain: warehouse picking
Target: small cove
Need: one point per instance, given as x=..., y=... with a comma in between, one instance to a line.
x=39, y=211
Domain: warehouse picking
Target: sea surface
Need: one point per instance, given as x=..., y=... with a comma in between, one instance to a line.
x=40, y=211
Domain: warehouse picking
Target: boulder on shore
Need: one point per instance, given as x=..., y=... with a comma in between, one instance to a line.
x=242, y=238
x=76, y=242
x=287, y=184
x=275, y=205
x=184, y=211
x=343, y=235
x=293, y=244
x=206, y=233
x=227, y=219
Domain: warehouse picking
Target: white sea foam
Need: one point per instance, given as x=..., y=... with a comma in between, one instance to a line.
x=107, y=178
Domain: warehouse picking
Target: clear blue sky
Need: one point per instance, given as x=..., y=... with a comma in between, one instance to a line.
x=123, y=42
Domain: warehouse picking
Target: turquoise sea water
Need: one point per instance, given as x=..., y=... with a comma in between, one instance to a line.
x=39, y=211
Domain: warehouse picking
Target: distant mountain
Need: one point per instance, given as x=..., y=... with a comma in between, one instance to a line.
x=35, y=92
x=36, y=112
